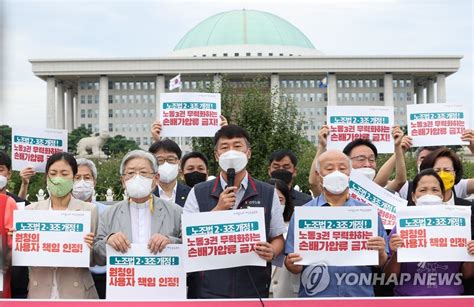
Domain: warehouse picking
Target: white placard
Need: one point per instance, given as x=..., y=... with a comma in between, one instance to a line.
x=434, y=233
x=222, y=239
x=51, y=238
x=368, y=192
x=336, y=236
x=189, y=114
x=31, y=147
x=437, y=124
x=139, y=275
x=347, y=123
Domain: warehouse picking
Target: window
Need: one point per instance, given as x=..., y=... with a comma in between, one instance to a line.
x=96, y=99
x=111, y=99
x=111, y=113
x=353, y=83
x=89, y=99
x=145, y=140
x=131, y=99
x=193, y=85
x=353, y=97
x=367, y=83
x=297, y=97
x=381, y=97
x=283, y=83
x=248, y=54
x=402, y=96
x=111, y=127
x=312, y=97
x=339, y=83
x=152, y=85
x=298, y=83
x=305, y=97
x=360, y=97
x=117, y=113
x=402, y=83
x=145, y=98
x=137, y=113
x=82, y=85
x=346, y=83
x=319, y=97
x=408, y=83
x=83, y=113
x=124, y=98
x=339, y=97
x=395, y=83
x=89, y=113
x=96, y=113
x=138, y=85
x=305, y=83
x=346, y=96
x=312, y=84
x=408, y=96
x=89, y=126
x=124, y=113
x=225, y=54
x=325, y=99
x=367, y=96
x=90, y=85
x=83, y=99
x=144, y=112
x=152, y=98
x=374, y=83
x=236, y=54
x=361, y=83
x=259, y=54
x=373, y=96
x=137, y=139
x=145, y=86
x=96, y=86
x=291, y=84
x=380, y=82
x=117, y=85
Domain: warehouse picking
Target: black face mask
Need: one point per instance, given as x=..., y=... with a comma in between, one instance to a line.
x=194, y=178
x=282, y=174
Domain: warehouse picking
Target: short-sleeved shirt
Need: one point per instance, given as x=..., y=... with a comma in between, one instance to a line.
x=321, y=280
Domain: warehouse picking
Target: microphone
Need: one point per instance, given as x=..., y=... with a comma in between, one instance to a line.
x=230, y=177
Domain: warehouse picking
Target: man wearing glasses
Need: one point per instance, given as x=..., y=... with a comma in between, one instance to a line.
x=168, y=156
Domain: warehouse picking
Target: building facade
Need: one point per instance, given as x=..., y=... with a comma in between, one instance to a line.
x=120, y=95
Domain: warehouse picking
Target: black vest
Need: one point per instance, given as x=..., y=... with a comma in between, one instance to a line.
x=234, y=282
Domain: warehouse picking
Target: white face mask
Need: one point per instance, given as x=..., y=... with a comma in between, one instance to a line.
x=83, y=189
x=365, y=171
x=429, y=200
x=138, y=186
x=233, y=159
x=336, y=182
x=3, y=182
x=168, y=172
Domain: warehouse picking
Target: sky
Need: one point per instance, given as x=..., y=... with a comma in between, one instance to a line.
x=125, y=28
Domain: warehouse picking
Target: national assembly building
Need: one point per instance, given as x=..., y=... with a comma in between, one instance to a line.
x=120, y=95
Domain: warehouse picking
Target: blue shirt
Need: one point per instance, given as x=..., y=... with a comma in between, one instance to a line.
x=321, y=280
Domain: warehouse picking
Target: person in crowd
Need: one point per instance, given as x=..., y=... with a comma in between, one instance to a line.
x=84, y=189
x=63, y=282
x=232, y=151
x=195, y=168
x=143, y=218
x=18, y=274
x=168, y=156
x=282, y=165
x=363, y=155
x=7, y=206
x=428, y=189
x=334, y=167
x=284, y=283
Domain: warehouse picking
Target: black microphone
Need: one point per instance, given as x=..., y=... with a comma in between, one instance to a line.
x=230, y=177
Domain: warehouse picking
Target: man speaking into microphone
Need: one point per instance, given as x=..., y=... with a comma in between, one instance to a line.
x=235, y=189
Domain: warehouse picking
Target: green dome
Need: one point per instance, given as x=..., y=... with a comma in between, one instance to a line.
x=244, y=27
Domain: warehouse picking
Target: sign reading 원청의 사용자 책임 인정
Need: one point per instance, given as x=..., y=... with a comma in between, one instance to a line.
x=51, y=238
x=434, y=233
x=222, y=239
x=437, y=124
x=32, y=147
x=139, y=275
x=336, y=236
x=190, y=114
x=347, y=123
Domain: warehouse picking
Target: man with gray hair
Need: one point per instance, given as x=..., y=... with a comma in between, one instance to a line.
x=334, y=168
x=144, y=218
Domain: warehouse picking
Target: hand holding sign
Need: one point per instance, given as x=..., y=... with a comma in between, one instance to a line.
x=468, y=136
x=158, y=243
x=119, y=242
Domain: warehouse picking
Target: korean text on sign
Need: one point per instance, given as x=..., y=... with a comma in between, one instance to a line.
x=437, y=124
x=335, y=236
x=189, y=114
x=140, y=275
x=51, y=238
x=434, y=233
x=347, y=123
x=216, y=240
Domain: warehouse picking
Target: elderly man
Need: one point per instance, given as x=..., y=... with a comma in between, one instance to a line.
x=334, y=167
x=232, y=151
x=144, y=218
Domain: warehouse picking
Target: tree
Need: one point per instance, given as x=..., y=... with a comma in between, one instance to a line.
x=270, y=126
x=5, y=137
x=119, y=145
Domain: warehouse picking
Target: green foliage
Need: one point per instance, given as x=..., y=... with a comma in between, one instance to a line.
x=119, y=145
x=5, y=138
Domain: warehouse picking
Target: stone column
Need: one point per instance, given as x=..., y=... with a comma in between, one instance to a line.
x=332, y=89
x=441, y=88
x=50, y=102
x=388, y=89
x=159, y=88
x=275, y=89
x=217, y=83
x=430, y=94
x=69, y=110
x=104, y=105
x=60, y=106
x=420, y=94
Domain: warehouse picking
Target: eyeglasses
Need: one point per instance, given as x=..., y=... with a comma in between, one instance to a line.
x=130, y=174
x=362, y=158
x=444, y=169
x=170, y=160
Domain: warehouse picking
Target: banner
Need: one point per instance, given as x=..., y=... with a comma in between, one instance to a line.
x=368, y=192
x=190, y=114
x=139, y=275
x=437, y=124
x=434, y=233
x=222, y=239
x=347, y=123
x=51, y=238
x=32, y=147
x=336, y=236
